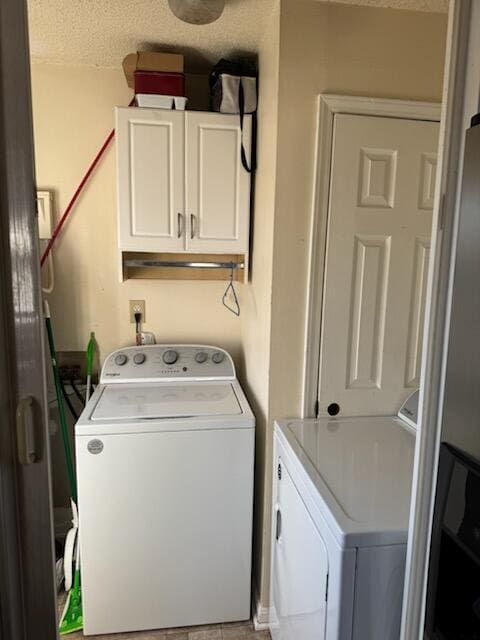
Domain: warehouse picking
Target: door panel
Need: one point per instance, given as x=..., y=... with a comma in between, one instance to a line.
x=300, y=568
x=150, y=179
x=169, y=545
x=27, y=584
x=381, y=199
x=417, y=312
x=217, y=185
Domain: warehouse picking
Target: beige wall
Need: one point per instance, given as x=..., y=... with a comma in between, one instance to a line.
x=73, y=112
x=328, y=48
x=331, y=48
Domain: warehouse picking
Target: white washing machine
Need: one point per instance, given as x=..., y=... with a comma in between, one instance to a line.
x=341, y=507
x=165, y=451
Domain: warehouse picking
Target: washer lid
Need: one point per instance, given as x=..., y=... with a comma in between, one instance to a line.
x=165, y=400
x=362, y=470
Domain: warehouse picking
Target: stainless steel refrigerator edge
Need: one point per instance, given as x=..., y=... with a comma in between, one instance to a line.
x=27, y=585
x=461, y=414
x=453, y=595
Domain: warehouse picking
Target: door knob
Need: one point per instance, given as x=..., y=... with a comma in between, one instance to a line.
x=333, y=409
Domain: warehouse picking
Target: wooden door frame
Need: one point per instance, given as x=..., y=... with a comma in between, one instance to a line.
x=328, y=106
x=461, y=100
x=27, y=558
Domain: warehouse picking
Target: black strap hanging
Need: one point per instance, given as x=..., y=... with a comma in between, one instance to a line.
x=242, y=68
x=253, y=156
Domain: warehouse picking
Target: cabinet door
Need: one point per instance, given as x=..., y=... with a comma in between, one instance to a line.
x=150, y=156
x=300, y=568
x=217, y=185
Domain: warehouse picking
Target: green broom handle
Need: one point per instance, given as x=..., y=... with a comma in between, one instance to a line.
x=61, y=410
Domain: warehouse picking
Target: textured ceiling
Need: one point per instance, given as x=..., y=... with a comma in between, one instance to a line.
x=102, y=32
x=436, y=6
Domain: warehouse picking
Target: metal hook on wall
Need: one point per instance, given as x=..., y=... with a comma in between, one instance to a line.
x=236, y=308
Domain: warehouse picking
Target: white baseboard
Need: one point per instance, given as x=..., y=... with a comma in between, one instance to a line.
x=261, y=615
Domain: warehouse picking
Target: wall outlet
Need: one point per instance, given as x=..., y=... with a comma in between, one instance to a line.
x=137, y=306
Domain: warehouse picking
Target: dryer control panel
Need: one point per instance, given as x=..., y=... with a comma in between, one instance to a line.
x=167, y=362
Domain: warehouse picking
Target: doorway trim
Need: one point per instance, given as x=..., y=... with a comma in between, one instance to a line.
x=27, y=554
x=328, y=106
x=461, y=99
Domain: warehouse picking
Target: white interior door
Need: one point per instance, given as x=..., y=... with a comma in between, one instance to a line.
x=217, y=185
x=381, y=200
x=150, y=156
x=300, y=568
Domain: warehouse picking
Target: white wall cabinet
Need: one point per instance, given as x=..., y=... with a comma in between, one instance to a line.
x=181, y=183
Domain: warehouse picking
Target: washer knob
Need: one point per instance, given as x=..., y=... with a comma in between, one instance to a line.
x=218, y=357
x=121, y=359
x=201, y=357
x=170, y=356
x=139, y=358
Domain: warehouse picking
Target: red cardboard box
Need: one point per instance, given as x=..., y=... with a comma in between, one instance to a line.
x=151, y=61
x=169, y=84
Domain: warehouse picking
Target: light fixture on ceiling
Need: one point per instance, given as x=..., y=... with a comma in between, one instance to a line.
x=197, y=11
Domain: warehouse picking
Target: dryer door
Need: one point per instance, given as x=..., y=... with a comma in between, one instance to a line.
x=300, y=568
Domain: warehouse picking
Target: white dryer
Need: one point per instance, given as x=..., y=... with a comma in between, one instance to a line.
x=341, y=507
x=165, y=451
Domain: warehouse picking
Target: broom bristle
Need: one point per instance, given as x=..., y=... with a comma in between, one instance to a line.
x=72, y=617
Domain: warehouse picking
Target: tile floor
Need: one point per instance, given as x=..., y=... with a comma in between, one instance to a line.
x=232, y=631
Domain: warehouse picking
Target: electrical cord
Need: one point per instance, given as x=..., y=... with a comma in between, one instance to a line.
x=77, y=392
x=68, y=401
x=51, y=275
x=138, y=317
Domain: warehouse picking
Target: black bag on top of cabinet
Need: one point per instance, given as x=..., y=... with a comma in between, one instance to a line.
x=233, y=89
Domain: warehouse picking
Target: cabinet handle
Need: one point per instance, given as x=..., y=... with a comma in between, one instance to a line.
x=179, y=225
x=192, y=226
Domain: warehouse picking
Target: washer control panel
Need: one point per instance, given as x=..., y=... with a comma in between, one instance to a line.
x=168, y=362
